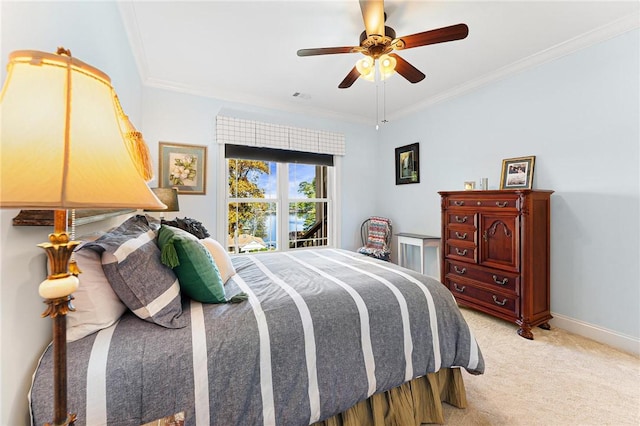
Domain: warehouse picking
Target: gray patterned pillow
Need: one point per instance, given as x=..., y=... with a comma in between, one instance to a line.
x=131, y=262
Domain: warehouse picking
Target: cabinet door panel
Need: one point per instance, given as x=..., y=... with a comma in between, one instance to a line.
x=499, y=242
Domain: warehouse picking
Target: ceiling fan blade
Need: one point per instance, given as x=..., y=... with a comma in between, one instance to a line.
x=373, y=16
x=325, y=51
x=407, y=70
x=349, y=79
x=441, y=35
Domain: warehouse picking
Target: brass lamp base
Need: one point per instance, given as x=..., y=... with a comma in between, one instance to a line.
x=57, y=309
x=56, y=290
x=69, y=421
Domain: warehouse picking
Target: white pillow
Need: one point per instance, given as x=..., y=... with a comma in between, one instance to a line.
x=221, y=257
x=97, y=305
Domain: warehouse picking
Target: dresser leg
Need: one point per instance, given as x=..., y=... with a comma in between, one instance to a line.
x=525, y=331
x=545, y=326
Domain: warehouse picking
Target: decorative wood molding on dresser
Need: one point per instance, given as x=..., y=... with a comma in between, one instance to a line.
x=495, y=255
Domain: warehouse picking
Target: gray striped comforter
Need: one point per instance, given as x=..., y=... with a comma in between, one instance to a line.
x=322, y=330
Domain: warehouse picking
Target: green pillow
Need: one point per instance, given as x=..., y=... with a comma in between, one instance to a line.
x=197, y=273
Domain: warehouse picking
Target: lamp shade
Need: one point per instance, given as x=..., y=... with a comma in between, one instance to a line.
x=169, y=197
x=62, y=141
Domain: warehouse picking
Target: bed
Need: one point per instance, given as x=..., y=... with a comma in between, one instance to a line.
x=321, y=336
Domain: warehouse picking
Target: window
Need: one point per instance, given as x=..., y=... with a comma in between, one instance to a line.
x=308, y=205
x=274, y=204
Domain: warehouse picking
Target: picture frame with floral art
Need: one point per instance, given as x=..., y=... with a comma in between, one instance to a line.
x=517, y=173
x=183, y=167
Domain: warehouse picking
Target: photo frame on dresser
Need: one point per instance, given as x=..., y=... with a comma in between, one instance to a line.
x=517, y=173
x=408, y=164
x=183, y=167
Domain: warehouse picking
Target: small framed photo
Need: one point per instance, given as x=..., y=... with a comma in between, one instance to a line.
x=469, y=185
x=517, y=173
x=408, y=164
x=183, y=167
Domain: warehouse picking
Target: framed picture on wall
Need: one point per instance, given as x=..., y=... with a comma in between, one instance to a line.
x=183, y=167
x=517, y=173
x=408, y=164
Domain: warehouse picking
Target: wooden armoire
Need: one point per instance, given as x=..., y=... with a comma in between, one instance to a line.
x=495, y=255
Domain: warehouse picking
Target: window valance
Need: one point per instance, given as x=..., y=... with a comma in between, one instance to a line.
x=237, y=131
x=277, y=155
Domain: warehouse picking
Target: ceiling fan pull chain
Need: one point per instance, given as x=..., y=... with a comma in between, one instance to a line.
x=377, y=109
x=384, y=102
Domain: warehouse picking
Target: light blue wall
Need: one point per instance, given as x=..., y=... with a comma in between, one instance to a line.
x=94, y=33
x=580, y=117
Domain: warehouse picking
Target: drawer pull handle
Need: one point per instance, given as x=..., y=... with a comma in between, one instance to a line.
x=462, y=237
x=459, y=203
x=461, y=252
x=459, y=289
x=459, y=271
x=497, y=281
x=495, y=299
x=461, y=220
x=499, y=204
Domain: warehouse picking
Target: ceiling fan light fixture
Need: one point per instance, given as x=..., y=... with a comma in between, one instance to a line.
x=387, y=66
x=377, y=42
x=366, y=68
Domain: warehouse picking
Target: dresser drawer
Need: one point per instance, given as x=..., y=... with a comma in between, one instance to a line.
x=503, y=281
x=506, y=304
x=461, y=218
x=460, y=250
x=461, y=234
x=507, y=202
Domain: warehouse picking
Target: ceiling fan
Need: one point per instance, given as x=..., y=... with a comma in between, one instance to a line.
x=377, y=42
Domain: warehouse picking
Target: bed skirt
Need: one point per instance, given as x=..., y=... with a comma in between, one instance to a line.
x=413, y=403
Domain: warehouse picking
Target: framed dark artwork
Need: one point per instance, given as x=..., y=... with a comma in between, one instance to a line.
x=408, y=164
x=517, y=173
x=183, y=167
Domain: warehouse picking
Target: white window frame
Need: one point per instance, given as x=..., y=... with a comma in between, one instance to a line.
x=282, y=202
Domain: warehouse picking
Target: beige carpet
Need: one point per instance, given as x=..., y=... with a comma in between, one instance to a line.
x=557, y=379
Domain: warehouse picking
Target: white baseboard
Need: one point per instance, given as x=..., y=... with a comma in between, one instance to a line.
x=611, y=338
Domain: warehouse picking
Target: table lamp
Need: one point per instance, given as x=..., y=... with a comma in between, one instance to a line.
x=169, y=197
x=66, y=144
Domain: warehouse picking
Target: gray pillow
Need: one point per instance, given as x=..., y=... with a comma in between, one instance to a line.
x=131, y=263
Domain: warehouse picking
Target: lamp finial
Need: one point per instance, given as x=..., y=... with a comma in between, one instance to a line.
x=62, y=51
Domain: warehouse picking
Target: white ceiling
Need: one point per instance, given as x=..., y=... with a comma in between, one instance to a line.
x=245, y=51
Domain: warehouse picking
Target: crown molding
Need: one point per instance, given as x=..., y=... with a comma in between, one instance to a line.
x=598, y=35
x=255, y=101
